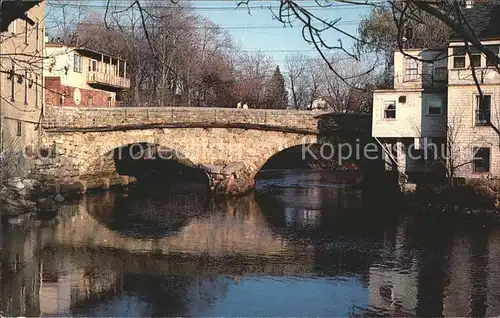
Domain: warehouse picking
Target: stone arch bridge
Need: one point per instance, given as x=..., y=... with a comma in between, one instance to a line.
x=80, y=143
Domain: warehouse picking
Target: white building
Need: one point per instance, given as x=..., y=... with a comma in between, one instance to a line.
x=474, y=134
x=440, y=103
x=412, y=115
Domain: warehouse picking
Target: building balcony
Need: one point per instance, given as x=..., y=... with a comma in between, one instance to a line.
x=108, y=80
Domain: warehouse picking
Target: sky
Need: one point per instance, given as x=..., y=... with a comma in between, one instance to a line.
x=254, y=28
x=258, y=30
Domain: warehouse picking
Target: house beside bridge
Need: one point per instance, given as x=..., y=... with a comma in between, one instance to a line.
x=79, y=76
x=436, y=104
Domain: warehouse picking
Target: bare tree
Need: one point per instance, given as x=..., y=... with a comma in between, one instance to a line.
x=61, y=18
x=342, y=93
x=301, y=80
x=252, y=73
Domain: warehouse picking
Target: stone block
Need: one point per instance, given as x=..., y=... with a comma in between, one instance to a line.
x=215, y=169
x=233, y=167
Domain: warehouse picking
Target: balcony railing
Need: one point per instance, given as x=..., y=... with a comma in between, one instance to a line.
x=107, y=79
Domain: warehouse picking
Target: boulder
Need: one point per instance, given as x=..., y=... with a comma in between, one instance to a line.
x=216, y=169
x=233, y=186
x=31, y=183
x=18, y=185
x=10, y=201
x=12, y=210
x=45, y=191
x=47, y=205
x=233, y=167
x=59, y=198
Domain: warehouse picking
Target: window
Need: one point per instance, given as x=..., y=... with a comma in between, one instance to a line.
x=19, y=128
x=12, y=76
x=36, y=91
x=475, y=57
x=26, y=30
x=411, y=69
x=110, y=100
x=481, y=160
x=435, y=106
x=89, y=101
x=495, y=50
x=94, y=66
x=77, y=63
x=390, y=110
x=13, y=26
x=37, y=35
x=25, y=87
x=483, y=110
x=440, y=70
x=458, y=57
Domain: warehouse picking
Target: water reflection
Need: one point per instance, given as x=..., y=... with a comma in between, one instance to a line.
x=287, y=251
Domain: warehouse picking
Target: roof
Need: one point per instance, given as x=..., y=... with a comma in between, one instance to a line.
x=484, y=19
x=81, y=49
x=86, y=50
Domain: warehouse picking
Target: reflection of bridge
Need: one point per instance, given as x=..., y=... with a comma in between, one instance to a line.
x=41, y=272
x=238, y=231
x=228, y=144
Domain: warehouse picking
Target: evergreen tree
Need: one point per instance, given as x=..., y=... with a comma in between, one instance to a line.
x=277, y=95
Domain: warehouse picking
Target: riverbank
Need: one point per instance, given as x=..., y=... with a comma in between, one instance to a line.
x=471, y=198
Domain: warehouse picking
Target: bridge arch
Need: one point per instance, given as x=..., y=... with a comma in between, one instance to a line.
x=140, y=150
x=259, y=164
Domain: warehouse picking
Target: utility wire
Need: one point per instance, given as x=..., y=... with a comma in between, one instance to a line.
x=234, y=7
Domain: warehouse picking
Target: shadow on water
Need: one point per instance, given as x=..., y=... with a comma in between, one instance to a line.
x=150, y=211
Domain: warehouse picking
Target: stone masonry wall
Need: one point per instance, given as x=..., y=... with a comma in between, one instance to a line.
x=228, y=155
x=69, y=117
x=230, y=145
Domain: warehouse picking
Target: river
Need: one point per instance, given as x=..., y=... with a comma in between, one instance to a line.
x=304, y=244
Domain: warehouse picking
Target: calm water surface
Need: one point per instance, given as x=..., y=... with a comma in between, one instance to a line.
x=304, y=245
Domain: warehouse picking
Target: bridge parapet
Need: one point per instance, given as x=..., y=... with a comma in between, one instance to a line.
x=98, y=119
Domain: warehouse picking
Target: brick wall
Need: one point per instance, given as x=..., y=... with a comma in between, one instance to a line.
x=89, y=97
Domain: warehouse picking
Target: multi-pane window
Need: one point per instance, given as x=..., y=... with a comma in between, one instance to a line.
x=440, y=70
x=459, y=57
x=78, y=63
x=37, y=35
x=435, y=106
x=19, y=128
x=13, y=27
x=481, y=160
x=26, y=30
x=475, y=57
x=26, y=87
x=411, y=69
x=12, y=76
x=390, y=109
x=36, y=91
x=483, y=110
x=495, y=50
